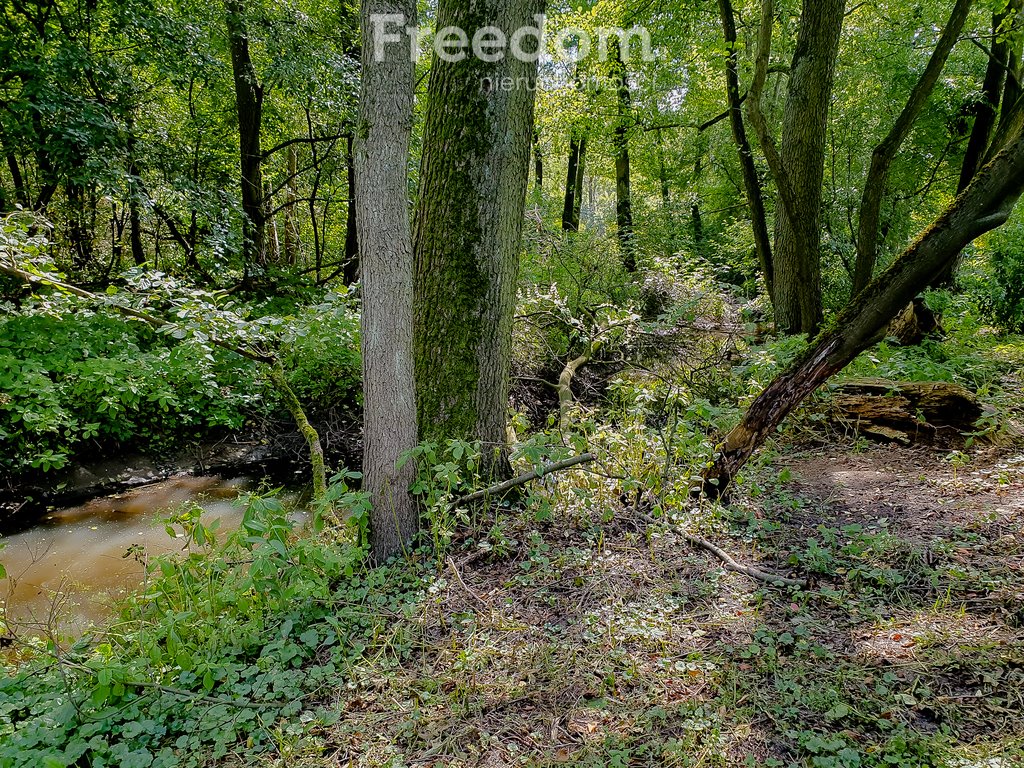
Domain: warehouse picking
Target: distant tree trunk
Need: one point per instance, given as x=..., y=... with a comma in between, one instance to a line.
x=983, y=206
x=885, y=152
x=292, y=239
x=21, y=195
x=695, y=216
x=666, y=197
x=381, y=161
x=574, y=182
x=1004, y=41
x=797, y=260
x=751, y=180
x=134, y=197
x=249, y=108
x=79, y=235
x=350, y=273
x=620, y=143
x=473, y=179
x=538, y=164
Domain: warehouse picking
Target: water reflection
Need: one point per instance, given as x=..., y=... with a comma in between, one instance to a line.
x=66, y=573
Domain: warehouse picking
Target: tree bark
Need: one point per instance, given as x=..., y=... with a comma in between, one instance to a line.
x=249, y=109
x=797, y=260
x=292, y=238
x=351, y=271
x=381, y=161
x=751, y=180
x=885, y=152
x=620, y=144
x=574, y=183
x=473, y=179
x=983, y=206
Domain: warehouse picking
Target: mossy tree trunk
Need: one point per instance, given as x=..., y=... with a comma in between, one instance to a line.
x=381, y=155
x=983, y=206
x=797, y=260
x=473, y=177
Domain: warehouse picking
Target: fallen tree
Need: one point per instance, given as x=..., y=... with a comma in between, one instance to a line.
x=985, y=205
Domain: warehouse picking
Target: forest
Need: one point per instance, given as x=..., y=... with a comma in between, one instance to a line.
x=509, y=383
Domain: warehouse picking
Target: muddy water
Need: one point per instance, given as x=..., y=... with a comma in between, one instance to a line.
x=68, y=571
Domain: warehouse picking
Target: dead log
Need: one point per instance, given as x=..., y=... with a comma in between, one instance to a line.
x=904, y=411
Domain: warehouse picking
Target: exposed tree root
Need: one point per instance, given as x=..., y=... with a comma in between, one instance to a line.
x=727, y=560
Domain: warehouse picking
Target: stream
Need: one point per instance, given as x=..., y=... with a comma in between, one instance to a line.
x=68, y=571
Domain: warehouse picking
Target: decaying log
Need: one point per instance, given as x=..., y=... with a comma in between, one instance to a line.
x=904, y=411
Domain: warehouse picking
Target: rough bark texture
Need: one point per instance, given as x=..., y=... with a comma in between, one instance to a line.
x=983, y=206
x=797, y=260
x=620, y=145
x=473, y=178
x=249, y=105
x=381, y=154
x=885, y=152
x=904, y=411
x=751, y=180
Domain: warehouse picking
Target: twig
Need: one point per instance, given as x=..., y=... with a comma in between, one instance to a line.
x=534, y=474
x=470, y=592
x=727, y=559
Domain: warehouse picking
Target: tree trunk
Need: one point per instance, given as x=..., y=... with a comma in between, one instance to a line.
x=885, y=152
x=983, y=206
x=17, y=180
x=249, y=106
x=751, y=180
x=350, y=273
x=797, y=260
x=538, y=164
x=473, y=178
x=620, y=144
x=666, y=198
x=381, y=161
x=992, y=91
x=574, y=183
x=292, y=239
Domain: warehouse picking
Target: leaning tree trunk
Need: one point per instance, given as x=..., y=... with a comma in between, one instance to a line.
x=249, y=105
x=983, y=206
x=884, y=154
x=476, y=153
x=797, y=261
x=1004, y=37
x=381, y=155
x=751, y=179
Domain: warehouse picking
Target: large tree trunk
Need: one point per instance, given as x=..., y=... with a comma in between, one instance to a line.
x=385, y=244
x=473, y=178
x=620, y=144
x=574, y=183
x=751, y=180
x=249, y=106
x=983, y=206
x=797, y=260
x=885, y=152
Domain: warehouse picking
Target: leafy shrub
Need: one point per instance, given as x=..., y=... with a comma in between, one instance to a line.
x=227, y=651
x=69, y=375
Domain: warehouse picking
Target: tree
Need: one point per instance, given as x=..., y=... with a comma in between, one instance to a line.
x=385, y=249
x=620, y=142
x=573, y=197
x=984, y=205
x=884, y=154
x=472, y=193
x=798, y=163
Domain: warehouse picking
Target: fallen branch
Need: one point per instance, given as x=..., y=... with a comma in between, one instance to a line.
x=565, y=399
x=523, y=479
x=727, y=559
